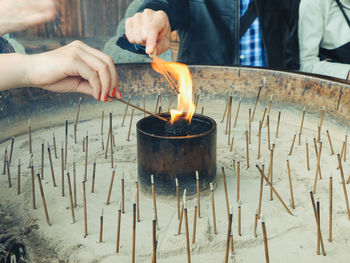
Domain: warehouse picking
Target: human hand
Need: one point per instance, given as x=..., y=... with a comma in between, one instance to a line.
x=151, y=29
x=16, y=15
x=73, y=68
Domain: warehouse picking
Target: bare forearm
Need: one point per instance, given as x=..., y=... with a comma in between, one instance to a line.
x=12, y=71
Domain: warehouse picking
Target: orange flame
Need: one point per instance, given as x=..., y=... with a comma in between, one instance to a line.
x=182, y=75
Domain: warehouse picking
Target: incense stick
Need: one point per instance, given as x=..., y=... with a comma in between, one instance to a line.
x=237, y=112
x=225, y=189
x=154, y=198
x=290, y=184
x=319, y=234
x=247, y=147
x=278, y=123
x=239, y=219
x=238, y=179
x=263, y=117
x=229, y=113
x=318, y=168
x=229, y=123
x=137, y=201
x=318, y=133
x=270, y=103
x=292, y=145
x=11, y=149
x=154, y=240
x=19, y=178
x=70, y=197
x=42, y=160
x=93, y=177
x=250, y=125
x=102, y=118
x=62, y=171
x=255, y=223
x=66, y=144
x=194, y=224
x=232, y=141
x=101, y=227
x=268, y=131
x=259, y=144
x=301, y=126
x=43, y=199
x=213, y=207
x=344, y=187
x=51, y=165
x=111, y=138
x=198, y=195
x=226, y=107
x=265, y=241
x=143, y=110
x=307, y=156
x=187, y=232
x=110, y=187
x=274, y=190
x=229, y=228
x=126, y=111
x=118, y=229
x=122, y=193
x=74, y=183
x=177, y=198
x=5, y=158
x=261, y=190
x=33, y=186
x=182, y=213
x=86, y=155
x=330, y=142
x=85, y=211
x=130, y=125
x=8, y=174
x=258, y=96
x=270, y=173
x=330, y=208
x=133, y=231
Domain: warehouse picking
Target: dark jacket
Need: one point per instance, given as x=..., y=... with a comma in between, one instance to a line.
x=209, y=30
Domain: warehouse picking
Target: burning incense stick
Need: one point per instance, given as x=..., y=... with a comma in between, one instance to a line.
x=330, y=142
x=8, y=174
x=238, y=179
x=11, y=149
x=86, y=155
x=198, y=195
x=318, y=168
x=226, y=107
x=213, y=207
x=102, y=118
x=259, y=144
x=274, y=190
x=19, y=178
x=42, y=160
x=225, y=189
x=126, y=111
x=278, y=123
x=140, y=109
x=122, y=193
x=101, y=227
x=110, y=187
x=30, y=136
x=265, y=241
x=5, y=158
x=307, y=155
x=182, y=213
x=194, y=224
x=261, y=191
x=319, y=234
x=330, y=208
x=177, y=198
x=62, y=171
x=292, y=145
x=154, y=198
x=66, y=144
x=133, y=252
x=247, y=147
x=70, y=197
x=237, y=112
x=344, y=187
x=85, y=211
x=137, y=201
x=258, y=96
x=130, y=125
x=118, y=228
x=229, y=113
x=301, y=126
x=93, y=177
x=290, y=184
x=255, y=223
x=74, y=184
x=187, y=232
x=229, y=229
x=268, y=131
x=33, y=185
x=239, y=219
x=51, y=165
x=154, y=240
x=43, y=200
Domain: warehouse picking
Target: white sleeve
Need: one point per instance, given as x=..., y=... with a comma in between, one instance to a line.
x=311, y=24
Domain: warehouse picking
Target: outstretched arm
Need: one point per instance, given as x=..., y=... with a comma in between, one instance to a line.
x=72, y=68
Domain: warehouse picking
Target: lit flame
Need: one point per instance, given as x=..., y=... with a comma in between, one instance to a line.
x=182, y=75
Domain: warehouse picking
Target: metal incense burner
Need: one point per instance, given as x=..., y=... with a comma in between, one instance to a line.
x=178, y=150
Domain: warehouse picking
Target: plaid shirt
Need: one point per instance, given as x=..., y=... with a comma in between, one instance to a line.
x=252, y=52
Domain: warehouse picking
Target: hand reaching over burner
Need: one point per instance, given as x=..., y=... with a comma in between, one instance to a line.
x=16, y=15
x=73, y=68
x=151, y=29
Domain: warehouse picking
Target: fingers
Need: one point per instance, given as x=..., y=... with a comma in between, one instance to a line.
x=148, y=28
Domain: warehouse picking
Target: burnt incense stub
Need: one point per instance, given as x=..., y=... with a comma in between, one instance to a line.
x=178, y=150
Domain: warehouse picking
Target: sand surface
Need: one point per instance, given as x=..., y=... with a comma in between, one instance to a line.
x=290, y=238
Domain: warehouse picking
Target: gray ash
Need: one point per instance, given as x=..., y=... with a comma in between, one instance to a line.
x=180, y=127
